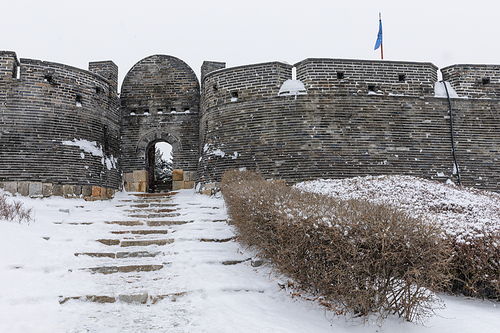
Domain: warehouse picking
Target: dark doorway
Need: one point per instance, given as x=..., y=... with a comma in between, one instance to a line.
x=160, y=167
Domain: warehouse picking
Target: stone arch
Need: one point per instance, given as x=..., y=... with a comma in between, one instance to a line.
x=160, y=99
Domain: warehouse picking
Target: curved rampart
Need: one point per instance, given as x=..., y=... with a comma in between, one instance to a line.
x=339, y=134
x=51, y=117
x=474, y=81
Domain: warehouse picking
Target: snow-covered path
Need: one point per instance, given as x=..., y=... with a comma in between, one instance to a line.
x=154, y=264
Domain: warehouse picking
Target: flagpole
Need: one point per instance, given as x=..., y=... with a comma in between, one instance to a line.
x=381, y=44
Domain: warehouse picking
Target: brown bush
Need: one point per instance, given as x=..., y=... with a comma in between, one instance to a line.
x=475, y=265
x=14, y=211
x=363, y=258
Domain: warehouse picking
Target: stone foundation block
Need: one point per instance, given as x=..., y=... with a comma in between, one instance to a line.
x=177, y=185
x=10, y=187
x=128, y=177
x=189, y=176
x=47, y=189
x=97, y=191
x=110, y=192
x=23, y=188
x=177, y=175
x=86, y=190
x=140, y=176
x=35, y=189
x=188, y=185
x=68, y=190
x=207, y=192
x=77, y=190
x=57, y=190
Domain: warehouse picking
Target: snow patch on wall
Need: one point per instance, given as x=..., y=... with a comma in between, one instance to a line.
x=93, y=148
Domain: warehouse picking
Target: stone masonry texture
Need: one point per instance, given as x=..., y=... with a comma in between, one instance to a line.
x=358, y=118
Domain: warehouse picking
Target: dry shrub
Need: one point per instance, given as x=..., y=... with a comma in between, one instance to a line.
x=14, y=211
x=362, y=258
x=475, y=265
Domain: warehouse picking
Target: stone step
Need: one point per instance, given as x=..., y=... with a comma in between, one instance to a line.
x=223, y=240
x=158, y=242
x=151, y=210
x=166, y=223
x=154, y=195
x=154, y=215
x=125, y=243
x=140, y=232
x=125, y=223
x=123, y=269
x=143, y=298
x=119, y=255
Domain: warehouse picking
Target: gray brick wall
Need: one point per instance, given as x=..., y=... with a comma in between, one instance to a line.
x=40, y=111
x=360, y=76
x=160, y=102
x=474, y=81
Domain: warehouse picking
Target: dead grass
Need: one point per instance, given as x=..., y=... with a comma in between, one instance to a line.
x=13, y=210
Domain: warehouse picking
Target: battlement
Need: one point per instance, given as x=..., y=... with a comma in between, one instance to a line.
x=367, y=77
x=9, y=66
x=474, y=81
x=106, y=69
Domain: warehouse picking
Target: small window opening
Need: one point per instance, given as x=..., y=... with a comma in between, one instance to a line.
x=186, y=109
x=402, y=77
x=371, y=87
x=159, y=110
x=486, y=80
x=215, y=87
x=340, y=75
x=173, y=110
x=49, y=78
x=98, y=90
x=78, y=100
x=234, y=96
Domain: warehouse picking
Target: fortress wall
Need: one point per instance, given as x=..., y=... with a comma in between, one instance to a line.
x=51, y=103
x=160, y=101
x=474, y=81
x=340, y=136
x=244, y=83
x=341, y=76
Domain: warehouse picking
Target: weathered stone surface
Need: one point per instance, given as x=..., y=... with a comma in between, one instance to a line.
x=77, y=190
x=189, y=176
x=86, y=190
x=159, y=242
x=47, y=189
x=177, y=175
x=35, y=189
x=97, y=191
x=140, y=176
x=127, y=223
x=140, y=298
x=128, y=177
x=68, y=190
x=109, y=241
x=188, y=185
x=57, y=190
x=10, y=187
x=177, y=185
x=23, y=188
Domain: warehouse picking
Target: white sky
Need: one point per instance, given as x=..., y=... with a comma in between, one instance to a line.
x=245, y=32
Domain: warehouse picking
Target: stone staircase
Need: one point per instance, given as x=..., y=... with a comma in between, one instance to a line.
x=149, y=255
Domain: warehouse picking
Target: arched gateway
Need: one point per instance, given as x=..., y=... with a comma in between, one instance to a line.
x=160, y=99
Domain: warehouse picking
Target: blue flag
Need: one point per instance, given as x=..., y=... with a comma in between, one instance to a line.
x=379, y=36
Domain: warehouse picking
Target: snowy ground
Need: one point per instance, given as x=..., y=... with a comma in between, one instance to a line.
x=194, y=291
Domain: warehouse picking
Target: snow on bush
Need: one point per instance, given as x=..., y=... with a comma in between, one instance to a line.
x=470, y=220
x=14, y=210
x=360, y=257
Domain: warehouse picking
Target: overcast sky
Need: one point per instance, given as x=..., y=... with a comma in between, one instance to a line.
x=245, y=32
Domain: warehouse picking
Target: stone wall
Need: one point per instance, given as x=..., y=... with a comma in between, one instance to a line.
x=361, y=77
x=474, y=81
x=46, y=105
x=339, y=134
x=160, y=102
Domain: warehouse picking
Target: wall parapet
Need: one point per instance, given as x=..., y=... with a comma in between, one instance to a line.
x=244, y=83
x=474, y=81
x=367, y=77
